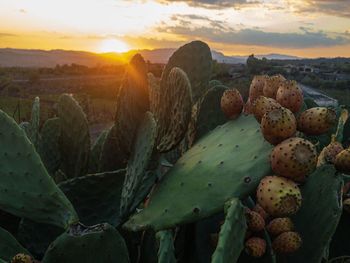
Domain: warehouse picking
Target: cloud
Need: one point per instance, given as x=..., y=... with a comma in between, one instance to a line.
x=215, y=4
x=220, y=32
x=331, y=7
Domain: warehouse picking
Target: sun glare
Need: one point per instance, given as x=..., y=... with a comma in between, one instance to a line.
x=113, y=45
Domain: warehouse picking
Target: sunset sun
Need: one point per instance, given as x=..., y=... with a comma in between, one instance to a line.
x=113, y=45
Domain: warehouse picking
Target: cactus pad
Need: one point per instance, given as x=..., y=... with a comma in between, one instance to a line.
x=9, y=246
x=80, y=244
x=229, y=162
x=136, y=176
x=74, y=138
x=174, y=111
x=25, y=186
x=195, y=59
x=321, y=202
x=166, y=251
x=232, y=233
x=49, y=145
x=96, y=197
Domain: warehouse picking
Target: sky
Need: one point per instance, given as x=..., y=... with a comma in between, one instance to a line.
x=306, y=28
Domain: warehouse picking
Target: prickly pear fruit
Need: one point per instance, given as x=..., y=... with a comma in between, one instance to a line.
x=280, y=225
x=255, y=247
x=256, y=88
x=287, y=242
x=232, y=103
x=290, y=96
x=346, y=205
x=277, y=125
x=254, y=221
x=279, y=196
x=22, y=258
x=263, y=105
x=294, y=158
x=257, y=208
x=272, y=84
x=342, y=161
x=316, y=121
x=248, y=107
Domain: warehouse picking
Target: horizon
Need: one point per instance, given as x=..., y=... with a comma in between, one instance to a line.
x=303, y=28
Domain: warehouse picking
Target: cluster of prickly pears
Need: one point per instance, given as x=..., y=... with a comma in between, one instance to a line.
x=255, y=244
x=275, y=101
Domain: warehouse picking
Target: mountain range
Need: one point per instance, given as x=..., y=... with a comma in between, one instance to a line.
x=41, y=58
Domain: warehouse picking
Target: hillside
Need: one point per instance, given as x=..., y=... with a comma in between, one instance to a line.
x=42, y=58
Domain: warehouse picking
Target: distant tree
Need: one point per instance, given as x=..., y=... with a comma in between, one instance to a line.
x=34, y=77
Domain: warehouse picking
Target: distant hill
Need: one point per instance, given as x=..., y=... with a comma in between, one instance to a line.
x=41, y=58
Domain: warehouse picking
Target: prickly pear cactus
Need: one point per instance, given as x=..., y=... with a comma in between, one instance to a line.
x=175, y=110
x=321, y=202
x=49, y=150
x=95, y=153
x=96, y=197
x=166, y=251
x=74, y=137
x=207, y=113
x=195, y=59
x=154, y=95
x=25, y=186
x=132, y=103
x=9, y=246
x=135, y=187
x=80, y=244
x=232, y=233
x=229, y=162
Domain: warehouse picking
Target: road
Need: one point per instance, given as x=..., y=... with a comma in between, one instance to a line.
x=320, y=98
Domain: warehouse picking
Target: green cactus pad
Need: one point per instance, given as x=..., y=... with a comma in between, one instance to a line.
x=99, y=243
x=35, y=122
x=49, y=145
x=74, y=138
x=166, y=251
x=227, y=163
x=37, y=237
x=132, y=103
x=9, y=246
x=319, y=215
x=232, y=233
x=136, y=176
x=96, y=197
x=95, y=154
x=154, y=95
x=195, y=59
x=175, y=110
x=25, y=186
x=208, y=114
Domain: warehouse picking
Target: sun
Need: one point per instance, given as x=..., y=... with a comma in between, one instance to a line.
x=113, y=45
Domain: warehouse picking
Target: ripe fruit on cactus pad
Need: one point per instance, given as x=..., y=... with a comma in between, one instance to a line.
x=272, y=84
x=232, y=103
x=254, y=221
x=287, y=242
x=279, y=196
x=342, y=161
x=255, y=247
x=289, y=95
x=256, y=88
x=316, y=121
x=294, y=158
x=280, y=225
x=263, y=105
x=278, y=124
